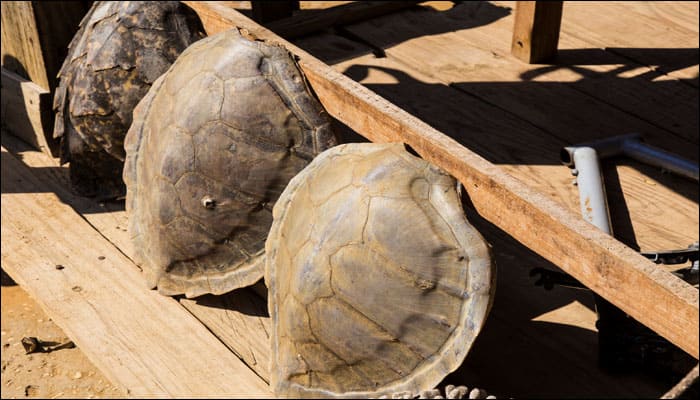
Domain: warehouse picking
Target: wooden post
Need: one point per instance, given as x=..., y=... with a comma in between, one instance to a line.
x=536, y=30
x=35, y=38
x=26, y=110
x=266, y=11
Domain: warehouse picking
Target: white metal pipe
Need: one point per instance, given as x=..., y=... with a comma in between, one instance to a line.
x=594, y=204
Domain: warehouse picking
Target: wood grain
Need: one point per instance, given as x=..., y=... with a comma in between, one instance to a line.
x=57, y=22
x=634, y=30
x=145, y=343
x=567, y=100
x=239, y=319
x=536, y=30
x=21, y=46
x=26, y=112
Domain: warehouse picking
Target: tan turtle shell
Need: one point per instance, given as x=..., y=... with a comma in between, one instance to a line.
x=377, y=282
x=213, y=144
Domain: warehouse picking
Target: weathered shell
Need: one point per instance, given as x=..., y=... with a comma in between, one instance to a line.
x=377, y=282
x=212, y=146
x=120, y=49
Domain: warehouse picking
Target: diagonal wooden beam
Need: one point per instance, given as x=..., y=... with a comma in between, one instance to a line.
x=658, y=299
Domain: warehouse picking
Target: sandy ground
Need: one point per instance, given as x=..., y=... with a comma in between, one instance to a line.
x=63, y=373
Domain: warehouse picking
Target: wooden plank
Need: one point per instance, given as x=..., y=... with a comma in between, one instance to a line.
x=145, y=343
x=317, y=20
x=642, y=31
x=656, y=298
x=56, y=23
x=239, y=319
x=21, y=46
x=550, y=98
x=26, y=112
x=35, y=37
x=479, y=61
x=684, y=385
x=536, y=30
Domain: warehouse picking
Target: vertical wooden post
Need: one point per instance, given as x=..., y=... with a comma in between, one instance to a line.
x=536, y=30
x=35, y=38
x=266, y=11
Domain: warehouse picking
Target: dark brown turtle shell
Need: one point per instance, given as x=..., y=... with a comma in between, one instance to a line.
x=213, y=144
x=120, y=49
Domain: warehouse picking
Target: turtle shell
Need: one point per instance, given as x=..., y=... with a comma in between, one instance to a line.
x=120, y=49
x=377, y=283
x=213, y=145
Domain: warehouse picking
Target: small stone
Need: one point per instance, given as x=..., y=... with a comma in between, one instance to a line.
x=30, y=390
x=101, y=257
x=491, y=396
x=59, y=267
x=78, y=375
x=76, y=289
x=458, y=392
x=476, y=393
x=429, y=394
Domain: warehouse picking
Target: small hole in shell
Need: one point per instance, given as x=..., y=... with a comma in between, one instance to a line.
x=208, y=202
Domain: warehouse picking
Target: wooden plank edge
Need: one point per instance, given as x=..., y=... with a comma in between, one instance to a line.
x=27, y=113
x=143, y=342
x=658, y=299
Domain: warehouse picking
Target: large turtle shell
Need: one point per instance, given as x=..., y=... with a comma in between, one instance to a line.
x=377, y=283
x=212, y=146
x=120, y=49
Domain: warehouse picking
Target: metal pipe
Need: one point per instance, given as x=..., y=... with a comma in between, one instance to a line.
x=594, y=204
x=659, y=158
x=632, y=146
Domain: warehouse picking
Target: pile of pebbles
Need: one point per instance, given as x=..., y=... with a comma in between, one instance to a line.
x=450, y=392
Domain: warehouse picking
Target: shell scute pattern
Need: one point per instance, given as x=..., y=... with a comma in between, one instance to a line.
x=377, y=283
x=227, y=141
x=120, y=49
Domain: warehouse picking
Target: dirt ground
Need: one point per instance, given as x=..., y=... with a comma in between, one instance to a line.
x=62, y=373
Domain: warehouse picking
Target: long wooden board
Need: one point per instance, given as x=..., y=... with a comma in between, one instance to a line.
x=145, y=343
x=656, y=298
